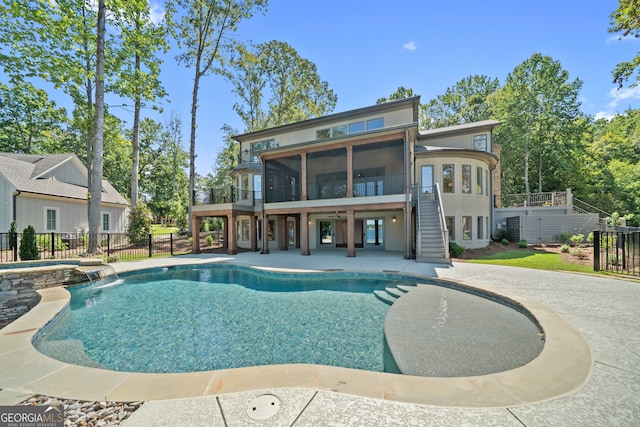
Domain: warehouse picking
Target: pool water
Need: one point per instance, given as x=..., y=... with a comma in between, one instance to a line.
x=217, y=317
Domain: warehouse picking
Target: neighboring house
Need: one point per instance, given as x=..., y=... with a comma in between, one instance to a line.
x=49, y=192
x=364, y=179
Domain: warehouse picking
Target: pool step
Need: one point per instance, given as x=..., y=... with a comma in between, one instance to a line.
x=390, y=294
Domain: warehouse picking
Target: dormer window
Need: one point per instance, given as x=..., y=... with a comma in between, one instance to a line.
x=480, y=142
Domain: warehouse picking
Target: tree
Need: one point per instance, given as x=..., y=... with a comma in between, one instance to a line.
x=276, y=86
x=626, y=20
x=28, y=246
x=203, y=31
x=400, y=93
x=466, y=102
x=28, y=119
x=539, y=108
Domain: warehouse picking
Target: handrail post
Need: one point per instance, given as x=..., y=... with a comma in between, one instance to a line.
x=596, y=250
x=171, y=243
x=150, y=246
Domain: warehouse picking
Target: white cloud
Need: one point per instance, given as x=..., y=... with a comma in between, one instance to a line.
x=614, y=38
x=607, y=115
x=625, y=94
x=156, y=13
x=411, y=46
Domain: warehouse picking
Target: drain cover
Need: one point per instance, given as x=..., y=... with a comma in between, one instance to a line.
x=263, y=407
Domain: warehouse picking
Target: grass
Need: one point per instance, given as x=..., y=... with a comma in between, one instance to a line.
x=160, y=229
x=529, y=258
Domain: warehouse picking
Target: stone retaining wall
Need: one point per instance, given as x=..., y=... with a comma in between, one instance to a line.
x=18, y=287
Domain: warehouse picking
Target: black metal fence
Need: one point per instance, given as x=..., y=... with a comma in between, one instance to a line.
x=617, y=251
x=74, y=245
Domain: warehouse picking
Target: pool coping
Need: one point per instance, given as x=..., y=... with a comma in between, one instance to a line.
x=563, y=367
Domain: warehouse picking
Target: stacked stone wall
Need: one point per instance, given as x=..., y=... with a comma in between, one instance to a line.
x=18, y=287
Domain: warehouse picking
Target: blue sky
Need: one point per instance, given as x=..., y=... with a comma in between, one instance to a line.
x=366, y=49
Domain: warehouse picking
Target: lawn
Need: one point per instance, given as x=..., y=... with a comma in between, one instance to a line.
x=160, y=229
x=531, y=258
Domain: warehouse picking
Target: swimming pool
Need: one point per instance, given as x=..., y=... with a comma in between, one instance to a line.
x=186, y=319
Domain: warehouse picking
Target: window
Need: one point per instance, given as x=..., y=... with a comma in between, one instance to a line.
x=258, y=147
x=466, y=228
x=323, y=133
x=51, y=219
x=447, y=179
x=245, y=230
x=338, y=131
x=451, y=226
x=479, y=181
x=480, y=228
x=375, y=123
x=480, y=142
x=466, y=179
x=106, y=222
x=257, y=186
x=356, y=127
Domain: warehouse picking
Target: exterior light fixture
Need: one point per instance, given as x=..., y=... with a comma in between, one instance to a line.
x=393, y=219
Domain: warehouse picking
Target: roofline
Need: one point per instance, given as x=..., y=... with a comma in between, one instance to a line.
x=102, y=202
x=459, y=129
x=467, y=151
x=70, y=157
x=386, y=106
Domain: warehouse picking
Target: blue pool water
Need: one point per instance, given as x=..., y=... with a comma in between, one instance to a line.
x=217, y=317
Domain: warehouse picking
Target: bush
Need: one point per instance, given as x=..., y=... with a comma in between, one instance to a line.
x=522, y=244
x=590, y=237
x=113, y=258
x=502, y=234
x=139, y=226
x=505, y=242
x=578, y=253
x=563, y=238
x=44, y=243
x=455, y=250
x=209, y=239
x=28, y=246
x=565, y=249
x=13, y=234
x=576, y=239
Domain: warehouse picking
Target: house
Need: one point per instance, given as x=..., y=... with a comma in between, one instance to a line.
x=365, y=179
x=49, y=192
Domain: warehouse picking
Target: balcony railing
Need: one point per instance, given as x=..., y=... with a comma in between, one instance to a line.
x=229, y=195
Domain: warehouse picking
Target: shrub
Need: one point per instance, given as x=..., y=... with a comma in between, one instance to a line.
x=455, y=250
x=112, y=258
x=209, y=239
x=563, y=238
x=182, y=224
x=44, y=243
x=522, y=244
x=565, y=249
x=505, y=242
x=13, y=234
x=576, y=239
x=502, y=234
x=590, y=237
x=204, y=226
x=578, y=253
x=28, y=246
x=139, y=226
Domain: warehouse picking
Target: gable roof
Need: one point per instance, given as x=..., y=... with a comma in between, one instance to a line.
x=25, y=172
x=483, y=125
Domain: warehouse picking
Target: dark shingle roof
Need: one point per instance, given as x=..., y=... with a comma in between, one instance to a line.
x=25, y=171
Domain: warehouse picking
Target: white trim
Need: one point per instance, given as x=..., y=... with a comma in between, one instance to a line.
x=46, y=218
x=102, y=214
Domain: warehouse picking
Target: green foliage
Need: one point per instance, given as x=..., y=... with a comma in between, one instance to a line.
x=182, y=224
x=577, y=239
x=590, y=237
x=522, y=244
x=530, y=258
x=44, y=243
x=625, y=20
x=13, y=233
x=400, y=93
x=579, y=253
x=209, y=239
x=455, y=249
x=204, y=226
x=113, y=258
x=505, y=242
x=502, y=234
x=465, y=102
x=565, y=249
x=563, y=238
x=28, y=247
x=139, y=226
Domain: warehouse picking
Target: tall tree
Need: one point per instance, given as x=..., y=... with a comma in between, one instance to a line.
x=400, y=93
x=626, y=20
x=465, y=102
x=541, y=117
x=277, y=86
x=28, y=119
x=95, y=185
x=204, y=32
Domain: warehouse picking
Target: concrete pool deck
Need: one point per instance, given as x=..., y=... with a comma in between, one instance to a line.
x=603, y=310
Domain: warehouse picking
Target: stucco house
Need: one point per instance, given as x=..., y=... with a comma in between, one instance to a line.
x=49, y=192
x=365, y=179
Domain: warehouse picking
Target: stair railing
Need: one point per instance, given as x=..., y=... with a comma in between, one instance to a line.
x=443, y=222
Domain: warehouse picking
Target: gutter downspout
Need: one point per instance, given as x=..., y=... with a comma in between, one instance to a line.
x=15, y=199
x=407, y=215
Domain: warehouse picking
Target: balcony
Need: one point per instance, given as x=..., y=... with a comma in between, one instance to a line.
x=217, y=196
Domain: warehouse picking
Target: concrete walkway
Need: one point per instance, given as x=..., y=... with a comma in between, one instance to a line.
x=603, y=310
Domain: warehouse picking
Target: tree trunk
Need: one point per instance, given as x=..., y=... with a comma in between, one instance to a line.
x=135, y=164
x=95, y=191
x=192, y=144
